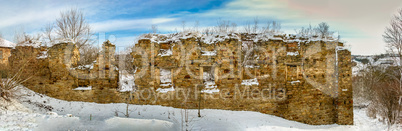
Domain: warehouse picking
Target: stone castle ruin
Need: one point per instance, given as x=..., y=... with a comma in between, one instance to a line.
x=305, y=79
x=54, y=71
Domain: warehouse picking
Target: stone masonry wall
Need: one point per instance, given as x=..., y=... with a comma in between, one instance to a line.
x=5, y=53
x=311, y=77
x=54, y=71
x=301, y=79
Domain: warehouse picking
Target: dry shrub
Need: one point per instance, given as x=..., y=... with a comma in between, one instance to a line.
x=383, y=88
x=3, y=71
x=88, y=54
x=8, y=85
x=387, y=101
x=372, y=111
x=125, y=61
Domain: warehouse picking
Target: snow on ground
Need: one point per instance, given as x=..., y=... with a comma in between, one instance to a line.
x=66, y=115
x=14, y=116
x=118, y=123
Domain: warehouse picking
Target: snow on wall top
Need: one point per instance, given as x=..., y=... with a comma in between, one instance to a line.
x=214, y=38
x=34, y=44
x=176, y=37
x=6, y=43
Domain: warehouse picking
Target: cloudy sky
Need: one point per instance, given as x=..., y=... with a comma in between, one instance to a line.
x=360, y=23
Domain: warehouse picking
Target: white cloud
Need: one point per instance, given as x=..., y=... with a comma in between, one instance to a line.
x=272, y=9
x=360, y=22
x=123, y=42
x=32, y=15
x=364, y=21
x=114, y=25
x=29, y=17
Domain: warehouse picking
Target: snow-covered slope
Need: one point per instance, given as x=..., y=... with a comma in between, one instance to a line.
x=45, y=113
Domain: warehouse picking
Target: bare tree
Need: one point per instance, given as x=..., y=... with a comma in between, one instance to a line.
x=255, y=26
x=154, y=29
x=306, y=32
x=370, y=76
x=72, y=26
x=222, y=26
x=276, y=27
x=323, y=30
x=390, y=99
x=48, y=34
x=234, y=28
x=393, y=35
x=196, y=24
x=24, y=38
x=183, y=24
x=207, y=31
x=88, y=54
x=386, y=99
x=267, y=29
x=247, y=27
x=126, y=60
x=271, y=27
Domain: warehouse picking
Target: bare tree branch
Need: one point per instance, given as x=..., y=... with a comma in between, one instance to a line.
x=72, y=26
x=323, y=30
x=393, y=35
x=154, y=29
x=48, y=34
x=255, y=26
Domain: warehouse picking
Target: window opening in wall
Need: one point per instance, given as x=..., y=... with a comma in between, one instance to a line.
x=208, y=74
x=205, y=52
x=209, y=80
x=165, y=49
x=165, y=77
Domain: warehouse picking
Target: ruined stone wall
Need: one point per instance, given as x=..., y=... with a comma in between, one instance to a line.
x=311, y=77
x=302, y=79
x=5, y=53
x=54, y=71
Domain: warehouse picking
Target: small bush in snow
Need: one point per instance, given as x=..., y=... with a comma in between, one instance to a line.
x=8, y=85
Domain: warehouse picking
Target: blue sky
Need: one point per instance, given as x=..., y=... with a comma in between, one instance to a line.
x=359, y=22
